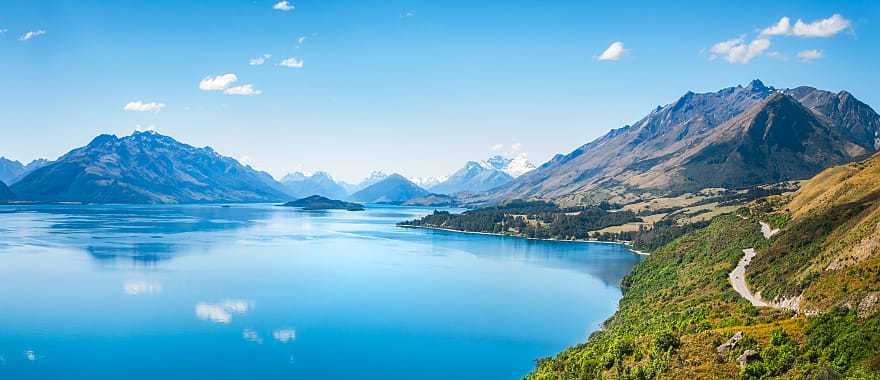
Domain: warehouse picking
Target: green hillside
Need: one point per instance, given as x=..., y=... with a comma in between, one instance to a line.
x=679, y=306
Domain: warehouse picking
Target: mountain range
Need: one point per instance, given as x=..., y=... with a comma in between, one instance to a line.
x=736, y=137
x=12, y=171
x=480, y=176
x=147, y=167
x=319, y=183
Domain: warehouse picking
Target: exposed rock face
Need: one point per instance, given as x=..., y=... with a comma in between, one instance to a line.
x=748, y=356
x=726, y=347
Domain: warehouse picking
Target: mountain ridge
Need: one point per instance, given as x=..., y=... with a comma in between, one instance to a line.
x=147, y=167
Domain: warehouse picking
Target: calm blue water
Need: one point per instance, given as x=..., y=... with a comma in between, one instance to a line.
x=264, y=292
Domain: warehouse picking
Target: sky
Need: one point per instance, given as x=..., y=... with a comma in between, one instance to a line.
x=414, y=87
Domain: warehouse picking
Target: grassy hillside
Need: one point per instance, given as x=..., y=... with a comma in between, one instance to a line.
x=678, y=305
x=828, y=252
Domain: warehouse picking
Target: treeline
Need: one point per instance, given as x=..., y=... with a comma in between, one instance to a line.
x=532, y=219
x=650, y=239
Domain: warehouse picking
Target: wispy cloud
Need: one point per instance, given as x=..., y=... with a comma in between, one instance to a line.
x=245, y=90
x=217, y=83
x=140, y=106
x=407, y=14
x=736, y=50
x=808, y=56
x=31, y=35
x=301, y=40
x=614, y=52
x=259, y=60
x=283, y=6
x=292, y=63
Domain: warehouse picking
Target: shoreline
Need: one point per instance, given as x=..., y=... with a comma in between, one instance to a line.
x=623, y=243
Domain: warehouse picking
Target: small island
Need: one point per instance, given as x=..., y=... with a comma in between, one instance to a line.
x=317, y=202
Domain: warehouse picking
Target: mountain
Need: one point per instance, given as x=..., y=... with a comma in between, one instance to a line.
x=5, y=193
x=736, y=137
x=393, y=189
x=12, y=171
x=427, y=182
x=317, y=202
x=319, y=183
x=374, y=177
x=515, y=166
x=473, y=177
x=147, y=167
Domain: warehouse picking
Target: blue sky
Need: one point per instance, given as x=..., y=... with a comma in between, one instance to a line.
x=414, y=87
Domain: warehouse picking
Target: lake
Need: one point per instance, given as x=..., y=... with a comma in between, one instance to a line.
x=266, y=292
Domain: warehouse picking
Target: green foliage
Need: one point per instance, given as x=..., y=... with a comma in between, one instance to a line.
x=838, y=339
x=536, y=219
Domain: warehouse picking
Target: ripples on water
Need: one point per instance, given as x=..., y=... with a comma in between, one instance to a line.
x=258, y=291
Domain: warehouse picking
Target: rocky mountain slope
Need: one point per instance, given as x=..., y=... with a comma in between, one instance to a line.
x=393, y=189
x=147, y=167
x=737, y=137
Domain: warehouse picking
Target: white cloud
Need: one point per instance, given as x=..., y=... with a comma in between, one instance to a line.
x=292, y=62
x=782, y=27
x=407, y=14
x=736, y=50
x=497, y=147
x=259, y=60
x=822, y=28
x=222, y=312
x=283, y=6
x=301, y=40
x=217, y=83
x=31, y=34
x=139, y=106
x=134, y=288
x=284, y=335
x=244, y=90
x=30, y=355
x=808, y=56
x=3, y=31
x=613, y=52
x=515, y=147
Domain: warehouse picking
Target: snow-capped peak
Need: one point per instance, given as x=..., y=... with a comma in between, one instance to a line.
x=516, y=166
x=428, y=181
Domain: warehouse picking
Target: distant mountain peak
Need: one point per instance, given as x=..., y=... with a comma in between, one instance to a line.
x=146, y=168
x=757, y=85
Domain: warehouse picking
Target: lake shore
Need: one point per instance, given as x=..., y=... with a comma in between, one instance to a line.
x=623, y=243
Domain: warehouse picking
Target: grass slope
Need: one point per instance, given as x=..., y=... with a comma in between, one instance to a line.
x=678, y=307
